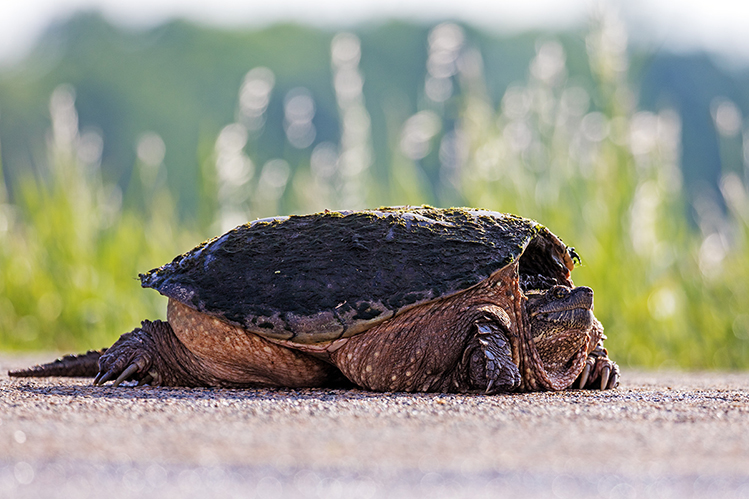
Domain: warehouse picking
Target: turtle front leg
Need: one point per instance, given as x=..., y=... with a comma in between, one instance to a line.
x=599, y=371
x=487, y=360
x=150, y=354
x=441, y=347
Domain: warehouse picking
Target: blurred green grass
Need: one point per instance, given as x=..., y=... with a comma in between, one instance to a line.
x=605, y=178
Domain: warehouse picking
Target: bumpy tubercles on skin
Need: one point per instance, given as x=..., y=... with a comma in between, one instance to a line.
x=239, y=358
x=83, y=365
x=441, y=332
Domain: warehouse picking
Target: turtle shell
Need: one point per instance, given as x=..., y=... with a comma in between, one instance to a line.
x=320, y=277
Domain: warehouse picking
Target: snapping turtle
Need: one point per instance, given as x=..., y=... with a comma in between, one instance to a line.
x=395, y=299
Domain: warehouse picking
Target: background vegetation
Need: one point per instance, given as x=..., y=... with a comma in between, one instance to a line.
x=121, y=150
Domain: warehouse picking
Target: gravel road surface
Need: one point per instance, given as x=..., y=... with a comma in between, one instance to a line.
x=660, y=434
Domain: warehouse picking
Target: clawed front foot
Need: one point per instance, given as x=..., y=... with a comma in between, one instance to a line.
x=490, y=365
x=599, y=372
x=130, y=358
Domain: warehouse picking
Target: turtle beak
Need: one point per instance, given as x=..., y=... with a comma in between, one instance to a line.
x=586, y=296
x=578, y=298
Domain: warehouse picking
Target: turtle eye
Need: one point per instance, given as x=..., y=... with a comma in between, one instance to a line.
x=560, y=292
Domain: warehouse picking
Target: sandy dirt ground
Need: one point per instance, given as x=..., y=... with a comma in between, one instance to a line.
x=660, y=434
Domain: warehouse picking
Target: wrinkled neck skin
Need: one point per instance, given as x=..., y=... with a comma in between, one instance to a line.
x=554, y=365
x=541, y=374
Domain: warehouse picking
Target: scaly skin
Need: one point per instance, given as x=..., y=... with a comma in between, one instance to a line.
x=84, y=365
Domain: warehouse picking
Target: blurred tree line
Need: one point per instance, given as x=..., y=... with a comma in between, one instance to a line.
x=121, y=149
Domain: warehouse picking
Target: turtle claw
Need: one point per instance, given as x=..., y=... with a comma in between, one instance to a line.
x=133, y=368
x=614, y=380
x=129, y=358
x=599, y=371
x=584, y=376
x=101, y=379
x=489, y=361
x=605, y=373
x=489, y=386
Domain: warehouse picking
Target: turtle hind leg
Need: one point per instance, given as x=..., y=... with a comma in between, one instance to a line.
x=488, y=361
x=133, y=356
x=152, y=354
x=84, y=365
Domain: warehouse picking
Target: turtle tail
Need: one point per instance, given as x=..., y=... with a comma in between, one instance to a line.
x=85, y=365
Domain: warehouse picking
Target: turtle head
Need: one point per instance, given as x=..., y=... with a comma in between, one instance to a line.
x=561, y=320
x=558, y=309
